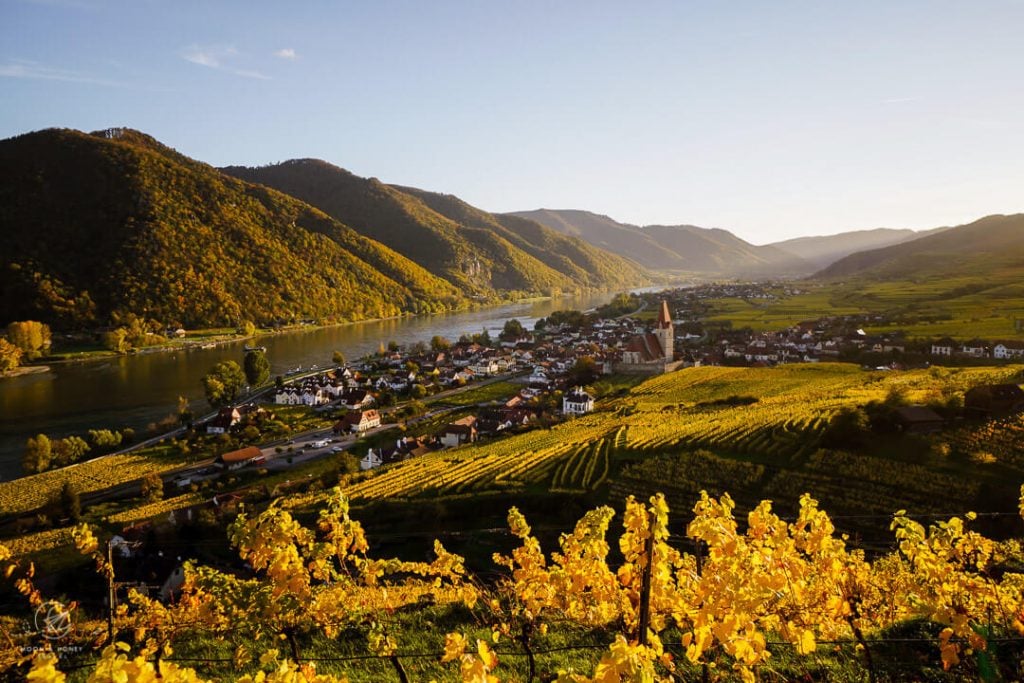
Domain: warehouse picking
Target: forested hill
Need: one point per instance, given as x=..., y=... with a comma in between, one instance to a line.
x=686, y=248
x=480, y=252
x=990, y=250
x=94, y=227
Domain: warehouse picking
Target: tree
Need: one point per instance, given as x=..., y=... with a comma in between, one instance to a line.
x=439, y=344
x=338, y=358
x=68, y=450
x=10, y=355
x=257, y=367
x=104, y=438
x=37, y=454
x=32, y=337
x=393, y=346
x=152, y=487
x=223, y=383
x=185, y=415
x=512, y=330
x=583, y=372
x=418, y=391
x=117, y=340
x=70, y=502
x=247, y=328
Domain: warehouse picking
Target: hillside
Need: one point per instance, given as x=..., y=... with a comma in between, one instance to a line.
x=678, y=247
x=474, y=250
x=95, y=227
x=824, y=250
x=975, y=249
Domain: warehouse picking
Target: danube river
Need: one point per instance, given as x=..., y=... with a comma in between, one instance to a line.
x=137, y=390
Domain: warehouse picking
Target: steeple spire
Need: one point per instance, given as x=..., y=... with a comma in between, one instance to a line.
x=664, y=319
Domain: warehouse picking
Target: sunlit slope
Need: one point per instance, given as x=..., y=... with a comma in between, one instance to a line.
x=753, y=431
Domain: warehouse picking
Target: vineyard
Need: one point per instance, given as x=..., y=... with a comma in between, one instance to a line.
x=755, y=432
x=722, y=598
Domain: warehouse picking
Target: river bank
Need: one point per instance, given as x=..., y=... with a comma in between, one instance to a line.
x=205, y=339
x=140, y=389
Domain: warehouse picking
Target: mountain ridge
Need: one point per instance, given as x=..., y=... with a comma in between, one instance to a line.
x=97, y=227
x=475, y=250
x=689, y=248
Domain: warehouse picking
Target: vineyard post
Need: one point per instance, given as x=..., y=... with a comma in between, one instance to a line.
x=111, y=593
x=399, y=669
x=524, y=638
x=645, y=581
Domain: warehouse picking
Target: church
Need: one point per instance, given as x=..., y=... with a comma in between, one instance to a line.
x=653, y=352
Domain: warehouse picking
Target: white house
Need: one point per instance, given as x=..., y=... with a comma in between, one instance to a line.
x=370, y=460
x=1007, y=350
x=577, y=402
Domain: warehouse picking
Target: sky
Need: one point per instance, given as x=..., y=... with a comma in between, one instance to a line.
x=770, y=119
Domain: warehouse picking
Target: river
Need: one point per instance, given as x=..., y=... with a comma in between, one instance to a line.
x=137, y=390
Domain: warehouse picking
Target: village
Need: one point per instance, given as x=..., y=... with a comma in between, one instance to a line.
x=557, y=366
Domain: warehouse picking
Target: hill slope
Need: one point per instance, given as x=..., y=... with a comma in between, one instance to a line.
x=94, y=227
x=478, y=252
x=825, y=250
x=976, y=249
x=676, y=247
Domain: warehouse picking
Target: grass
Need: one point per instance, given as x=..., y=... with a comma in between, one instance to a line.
x=490, y=392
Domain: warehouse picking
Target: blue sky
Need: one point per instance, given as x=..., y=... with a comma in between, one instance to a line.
x=771, y=119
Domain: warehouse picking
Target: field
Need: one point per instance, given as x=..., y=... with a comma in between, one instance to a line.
x=961, y=308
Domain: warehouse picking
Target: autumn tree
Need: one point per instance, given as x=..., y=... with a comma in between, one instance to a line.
x=223, y=383
x=10, y=355
x=152, y=487
x=68, y=450
x=257, y=367
x=439, y=344
x=116, y=340
x=37, y=454
x=338, y=358
x=32, y=337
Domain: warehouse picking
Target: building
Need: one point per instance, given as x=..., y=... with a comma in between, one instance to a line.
x=653, y=352
x=577, y=402
x=358, y=421
x=241, y=458
x=460, y=432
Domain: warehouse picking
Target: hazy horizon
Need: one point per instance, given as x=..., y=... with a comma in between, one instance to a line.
x=773, y=122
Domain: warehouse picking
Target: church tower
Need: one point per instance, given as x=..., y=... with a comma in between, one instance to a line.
x=664, y=331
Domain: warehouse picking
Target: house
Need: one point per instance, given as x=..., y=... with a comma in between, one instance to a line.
x=918, y=420
x=357, y=421
x=975, y=349
x=460, y=432
x=357, y=399
x=577, y=402
x=240, y=458
x=994, y=400
x=1008, y=350
x=370, y=460
x=943, y=347
x=225, y=420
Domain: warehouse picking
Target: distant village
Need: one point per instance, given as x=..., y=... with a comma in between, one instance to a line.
x=558, y=362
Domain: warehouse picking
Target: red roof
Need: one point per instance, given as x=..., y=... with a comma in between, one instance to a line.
x=243, y=455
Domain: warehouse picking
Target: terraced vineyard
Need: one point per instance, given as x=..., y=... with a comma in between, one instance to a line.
x=28, y=493
x=513, y=462
x=753, y=432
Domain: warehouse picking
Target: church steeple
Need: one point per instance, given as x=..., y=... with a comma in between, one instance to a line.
x=664, y=319
x=664, y=331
